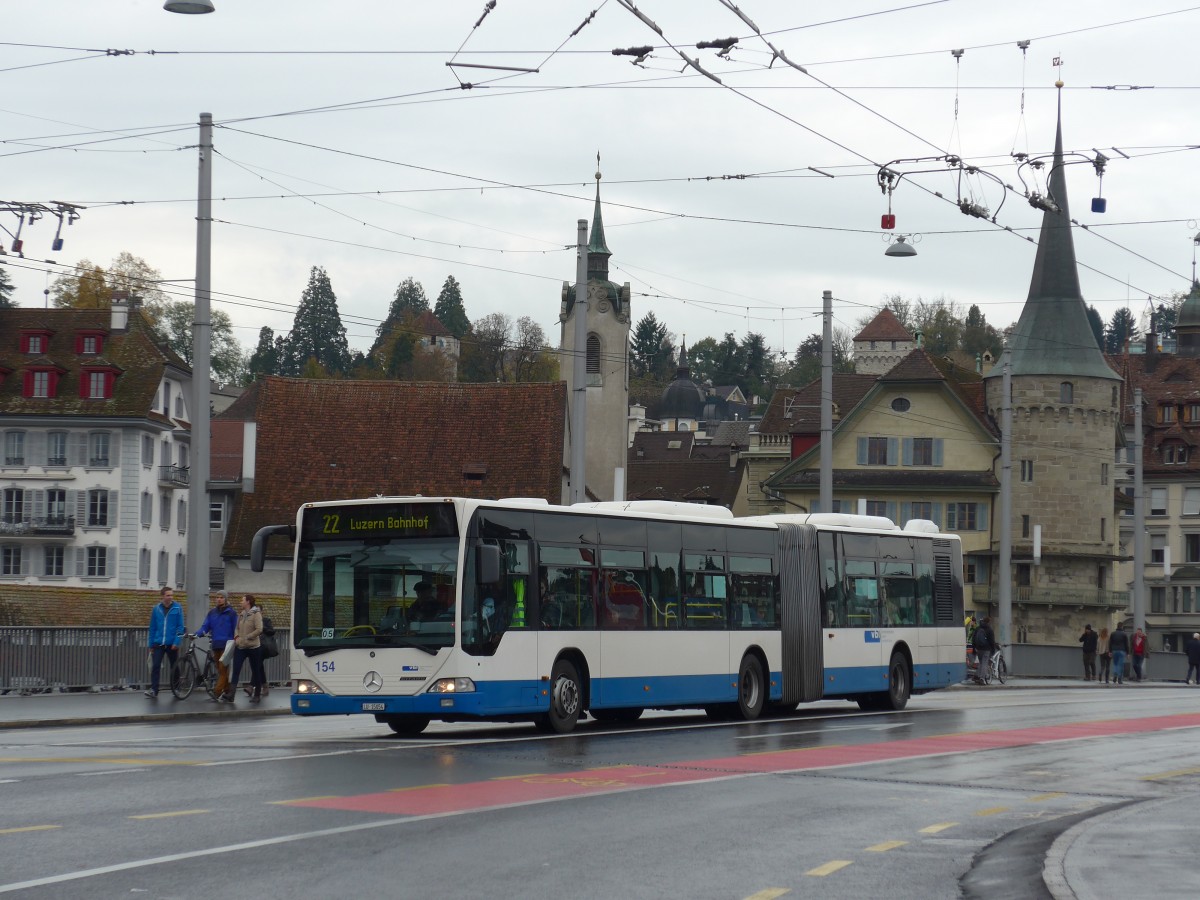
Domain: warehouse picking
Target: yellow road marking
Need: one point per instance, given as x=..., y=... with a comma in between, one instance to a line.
x=1176, y=774
x=995, y=810
x=886, y=845
x=29, y=828
x=419, y=787
x=167, y=815
x=769, y=894
x=1053, y=795
x=934, y=829
x=829, y=868
x=302, y=800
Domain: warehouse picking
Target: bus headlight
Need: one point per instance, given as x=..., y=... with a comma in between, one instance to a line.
x=304, y=686
x=452, y=686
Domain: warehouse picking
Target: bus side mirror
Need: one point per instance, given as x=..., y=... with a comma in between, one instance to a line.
x=258, y=546
x=487, y=564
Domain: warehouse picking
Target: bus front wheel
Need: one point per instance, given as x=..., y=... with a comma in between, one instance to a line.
x=407, y=725
x=752, y=693
x=566, y=699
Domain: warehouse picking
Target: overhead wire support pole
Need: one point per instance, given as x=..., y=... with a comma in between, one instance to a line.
x=826, y=496
x=1005, y=574
x=1139, y=518
x=578, y=397
x=197, y=582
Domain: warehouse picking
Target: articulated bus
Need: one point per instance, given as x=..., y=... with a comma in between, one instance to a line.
x=415, y=608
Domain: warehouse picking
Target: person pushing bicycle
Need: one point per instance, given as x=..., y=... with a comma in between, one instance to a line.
x=221, y=623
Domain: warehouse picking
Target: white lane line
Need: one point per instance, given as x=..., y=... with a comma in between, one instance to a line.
x=111, y=772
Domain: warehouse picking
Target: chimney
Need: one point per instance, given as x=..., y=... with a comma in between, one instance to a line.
x=734, y=454
x=120, y=313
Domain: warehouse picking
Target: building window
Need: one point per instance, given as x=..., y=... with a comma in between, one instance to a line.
x=1104, y=473
x=901, y=404
x=179, y=406
x=147, y=508
x=10, y=560
x=878, y=451
x=1191, y=548
x=1191, y=501
x=89, y=345
x=1128, y=492
x=56, y=448
x=97, y=562
x=922, y=509
x=1024, y=574
x=593, y=355
x=147, y=450
x=13, y=510
x=166, y=395
x=164, y=560
x=1158, y=501
x=164, y=511
x=1192, y=412
x=964, y=516
x=97, y=385
x=976, y=570
x=98, y=448
x=1102, y=577
x=40, y=387
x=1158, y=599
x=1066, y=392
x=1158, y=548
x=52, y=560
x=181, y=516
x=144, y=564
x=14, y=448
x=56, y=506
x=164, y=453
x=877, y=508
x=216, y=514
x=1103, y=530
x=1027, y=470
x=1024, y=526
x=36, y=343
x=1166, y=413
x=180, y=569
x=922, y=451
x=1174, y=454
x=98, y=508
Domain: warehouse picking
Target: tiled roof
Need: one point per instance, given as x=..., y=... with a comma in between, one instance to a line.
x=661, y=446
x=428, y=323
x=225, y=450
x=133, y=353
x=920, y=365
x=691, y=481
x=326, y=440
x=884, y=327
x=1165, y=380
x=727, y=433
x=803, y=404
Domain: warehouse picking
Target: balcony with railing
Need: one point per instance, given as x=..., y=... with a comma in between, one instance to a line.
x=1078, y=598
x=36, y=526
x=173, y=476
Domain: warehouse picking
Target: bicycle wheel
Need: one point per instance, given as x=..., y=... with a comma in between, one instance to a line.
x=183, y=678
x=208, y=678
x=1001, y=670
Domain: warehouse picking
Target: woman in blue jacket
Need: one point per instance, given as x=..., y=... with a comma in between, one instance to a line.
x=166, y=628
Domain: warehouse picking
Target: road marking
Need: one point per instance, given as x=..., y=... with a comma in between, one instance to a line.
x=168, y=815
x=829, y=868
x=886, y=845
x=10, y=780
x=1052, y=795
x=110, y=772
x=29, y=828
x=993, y=811
x=769, y=894
x=935, y=829
x=1159, y=776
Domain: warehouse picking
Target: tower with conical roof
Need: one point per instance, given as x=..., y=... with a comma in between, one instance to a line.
x=1065, y=415
x=607, y=318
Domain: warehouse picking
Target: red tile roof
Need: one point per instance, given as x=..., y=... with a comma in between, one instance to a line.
x=797, y=410
x=326, y=440
x=884, y=327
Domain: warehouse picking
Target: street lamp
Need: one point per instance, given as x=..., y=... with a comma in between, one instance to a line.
x=189, y=7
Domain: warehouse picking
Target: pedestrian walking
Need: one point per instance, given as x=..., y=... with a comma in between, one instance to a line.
x=1193, y=655
x=1089, y=639
x=984, y=642
x=166, y=630
x=1103, y=656
x=221, y=622
x=1140, y=649
x=1118, y=643
x=247, y=647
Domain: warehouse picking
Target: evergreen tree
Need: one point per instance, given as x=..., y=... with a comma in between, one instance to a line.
x=1097, y=323
x=317, y=332
x=650, y=348
x=759, y=370
x=449, y=308
x=730, y=361
x=702, y=361
x=1121, y=328
x=978, y=336
x=6, y=291
x=410, y=301
x=806, y=364
x=265, y=358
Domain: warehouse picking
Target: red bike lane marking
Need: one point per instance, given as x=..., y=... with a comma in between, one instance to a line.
x=543, y=787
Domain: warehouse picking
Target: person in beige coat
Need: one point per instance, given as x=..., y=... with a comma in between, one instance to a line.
x=247, y=647
x=1104, y=655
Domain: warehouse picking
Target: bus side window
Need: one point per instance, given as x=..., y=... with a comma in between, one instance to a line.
x=706, y=601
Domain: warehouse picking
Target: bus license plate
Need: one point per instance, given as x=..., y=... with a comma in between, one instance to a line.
x=374, y=707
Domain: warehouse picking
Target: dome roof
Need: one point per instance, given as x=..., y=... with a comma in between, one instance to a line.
x=683, y=399
x=1189, y=312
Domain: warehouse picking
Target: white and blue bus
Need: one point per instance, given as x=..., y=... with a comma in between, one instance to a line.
x=414, y=609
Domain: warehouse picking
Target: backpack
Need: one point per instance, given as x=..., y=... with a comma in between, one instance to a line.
x=979, y=639
x=267, y=639
x=268, y=626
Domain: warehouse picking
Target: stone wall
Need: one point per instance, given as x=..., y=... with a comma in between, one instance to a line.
x=34, y=606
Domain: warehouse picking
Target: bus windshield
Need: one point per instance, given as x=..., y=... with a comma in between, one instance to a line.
x=389, y=587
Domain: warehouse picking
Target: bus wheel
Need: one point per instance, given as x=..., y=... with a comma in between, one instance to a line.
x=407, y=725
x=566, y=699
x=751, y=688
x=899, y=683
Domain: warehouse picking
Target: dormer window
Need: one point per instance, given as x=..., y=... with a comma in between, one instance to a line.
x=41, y=383
x=89, y=343
x=1166, y=413
x=1175, y=454
x=97, y=383
x=35, y=343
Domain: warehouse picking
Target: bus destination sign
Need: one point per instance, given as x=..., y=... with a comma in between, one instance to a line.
x=379, y=520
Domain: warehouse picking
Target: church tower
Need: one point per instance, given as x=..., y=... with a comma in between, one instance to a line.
x=607, y=316
x=1065, y=416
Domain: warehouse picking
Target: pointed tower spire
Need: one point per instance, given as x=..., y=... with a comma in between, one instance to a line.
x=1053, y=336
x=598, y=252
x=683, y=370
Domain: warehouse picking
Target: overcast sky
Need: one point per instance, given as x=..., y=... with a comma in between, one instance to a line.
x=344, y=140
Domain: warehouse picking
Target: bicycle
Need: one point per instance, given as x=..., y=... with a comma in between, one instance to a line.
x=189, y=671
x=997, y=670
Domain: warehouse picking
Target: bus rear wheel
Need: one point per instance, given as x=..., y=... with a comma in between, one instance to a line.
x=407, y=725
x=899, y=688
x=752, y=693
x=566, y=699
